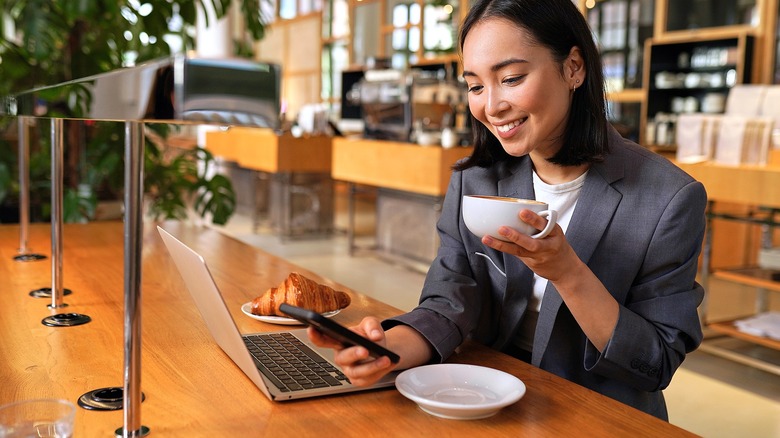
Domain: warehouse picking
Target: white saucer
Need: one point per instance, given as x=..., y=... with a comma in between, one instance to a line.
x=458, y=391
x=247, y=309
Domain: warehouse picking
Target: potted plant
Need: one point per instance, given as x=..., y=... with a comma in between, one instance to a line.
x=54, y=42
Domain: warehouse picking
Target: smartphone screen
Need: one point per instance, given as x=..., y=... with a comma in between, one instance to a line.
x=337, y=331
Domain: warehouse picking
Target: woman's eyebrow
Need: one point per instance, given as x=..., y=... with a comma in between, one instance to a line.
x=498, y=66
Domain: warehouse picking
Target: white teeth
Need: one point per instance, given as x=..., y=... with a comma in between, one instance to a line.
x=508, y=126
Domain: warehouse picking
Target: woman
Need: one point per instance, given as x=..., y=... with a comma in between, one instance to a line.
x=608, y=299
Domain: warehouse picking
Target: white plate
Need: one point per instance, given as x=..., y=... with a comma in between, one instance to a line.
x=247, y=309
x=458, y=391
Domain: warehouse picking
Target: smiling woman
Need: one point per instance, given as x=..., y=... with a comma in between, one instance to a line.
x=518, y=91
x=564, y=68
x=608, y=299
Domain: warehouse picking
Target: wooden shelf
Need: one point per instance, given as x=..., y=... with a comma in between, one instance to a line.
x=756, y=277
x=662, y=55
x=628, y=95
x=764, y=280
x=727, y=328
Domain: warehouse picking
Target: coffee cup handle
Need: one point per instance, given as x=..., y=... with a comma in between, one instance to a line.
x=552, y=219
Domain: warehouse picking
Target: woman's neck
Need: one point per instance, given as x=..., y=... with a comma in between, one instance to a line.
x=555, y=174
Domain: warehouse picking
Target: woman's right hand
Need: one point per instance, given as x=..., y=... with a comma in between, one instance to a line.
x=355, y=362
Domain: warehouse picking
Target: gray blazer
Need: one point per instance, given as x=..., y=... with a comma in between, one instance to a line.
x=638, y=224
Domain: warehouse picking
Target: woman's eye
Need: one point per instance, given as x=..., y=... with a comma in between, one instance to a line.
x=474, y=88
x=513, y=79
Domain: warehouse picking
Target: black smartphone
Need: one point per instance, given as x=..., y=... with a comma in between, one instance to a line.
x=337, y=331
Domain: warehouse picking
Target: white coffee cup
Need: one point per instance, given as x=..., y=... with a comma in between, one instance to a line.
x=484, y=215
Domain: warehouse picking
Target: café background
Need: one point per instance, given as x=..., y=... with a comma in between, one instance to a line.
x=711, y=396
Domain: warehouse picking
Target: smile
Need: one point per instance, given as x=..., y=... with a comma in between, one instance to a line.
x=509, y=126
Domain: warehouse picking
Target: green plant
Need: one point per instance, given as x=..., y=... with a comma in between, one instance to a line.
x=52, y=42
x=44, y=43
x=186, y=173
x=7, y=181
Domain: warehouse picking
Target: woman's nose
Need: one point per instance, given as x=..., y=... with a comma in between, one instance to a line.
x=496, y=103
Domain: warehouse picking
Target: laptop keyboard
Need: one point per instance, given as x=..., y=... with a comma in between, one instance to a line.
x=290, y=364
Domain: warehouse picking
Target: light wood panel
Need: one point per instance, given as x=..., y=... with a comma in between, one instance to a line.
x=193, y=389
x=394, y=165
x=751, y=185
x=735, y=190
x=264, y=150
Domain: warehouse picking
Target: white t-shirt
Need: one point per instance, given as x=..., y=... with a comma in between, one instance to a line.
x=561, y=198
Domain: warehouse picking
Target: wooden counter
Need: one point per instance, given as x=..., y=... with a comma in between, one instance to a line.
x=409, y=169
x=750, y=185
x=193, y=389
x=394, y=165
x=288, y=168
x=265, y=150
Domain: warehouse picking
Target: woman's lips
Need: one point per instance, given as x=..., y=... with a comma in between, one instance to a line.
x=508, y=129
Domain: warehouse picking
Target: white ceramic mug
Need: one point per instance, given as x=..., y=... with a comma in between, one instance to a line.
x=484, y=215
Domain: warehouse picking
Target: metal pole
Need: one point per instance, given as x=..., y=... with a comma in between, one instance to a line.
x=57, y=292
x=24, y=255
x=24, y=184
x=134, y=177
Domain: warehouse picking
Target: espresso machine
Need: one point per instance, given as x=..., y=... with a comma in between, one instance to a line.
x=406, y=105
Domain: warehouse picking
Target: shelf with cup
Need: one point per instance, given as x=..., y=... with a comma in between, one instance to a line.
x=687, y=76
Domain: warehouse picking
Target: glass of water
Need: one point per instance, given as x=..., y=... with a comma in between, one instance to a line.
x=41, y=418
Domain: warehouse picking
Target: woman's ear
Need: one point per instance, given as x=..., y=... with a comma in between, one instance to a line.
x=574, y=68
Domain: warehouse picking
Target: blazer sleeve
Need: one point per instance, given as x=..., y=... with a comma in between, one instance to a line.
x=658, y=323
x=451, y=301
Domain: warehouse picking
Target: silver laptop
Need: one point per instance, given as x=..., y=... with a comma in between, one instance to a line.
x=275, y=373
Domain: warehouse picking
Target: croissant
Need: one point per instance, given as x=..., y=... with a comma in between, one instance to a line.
x=300, y=291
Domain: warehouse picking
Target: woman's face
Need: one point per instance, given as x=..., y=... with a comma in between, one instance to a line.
x=516, y=88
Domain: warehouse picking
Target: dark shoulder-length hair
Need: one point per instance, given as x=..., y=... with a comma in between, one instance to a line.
x=557, y=25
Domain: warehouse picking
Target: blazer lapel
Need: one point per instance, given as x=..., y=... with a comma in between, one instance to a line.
x=518, y=277
x=595, y=207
